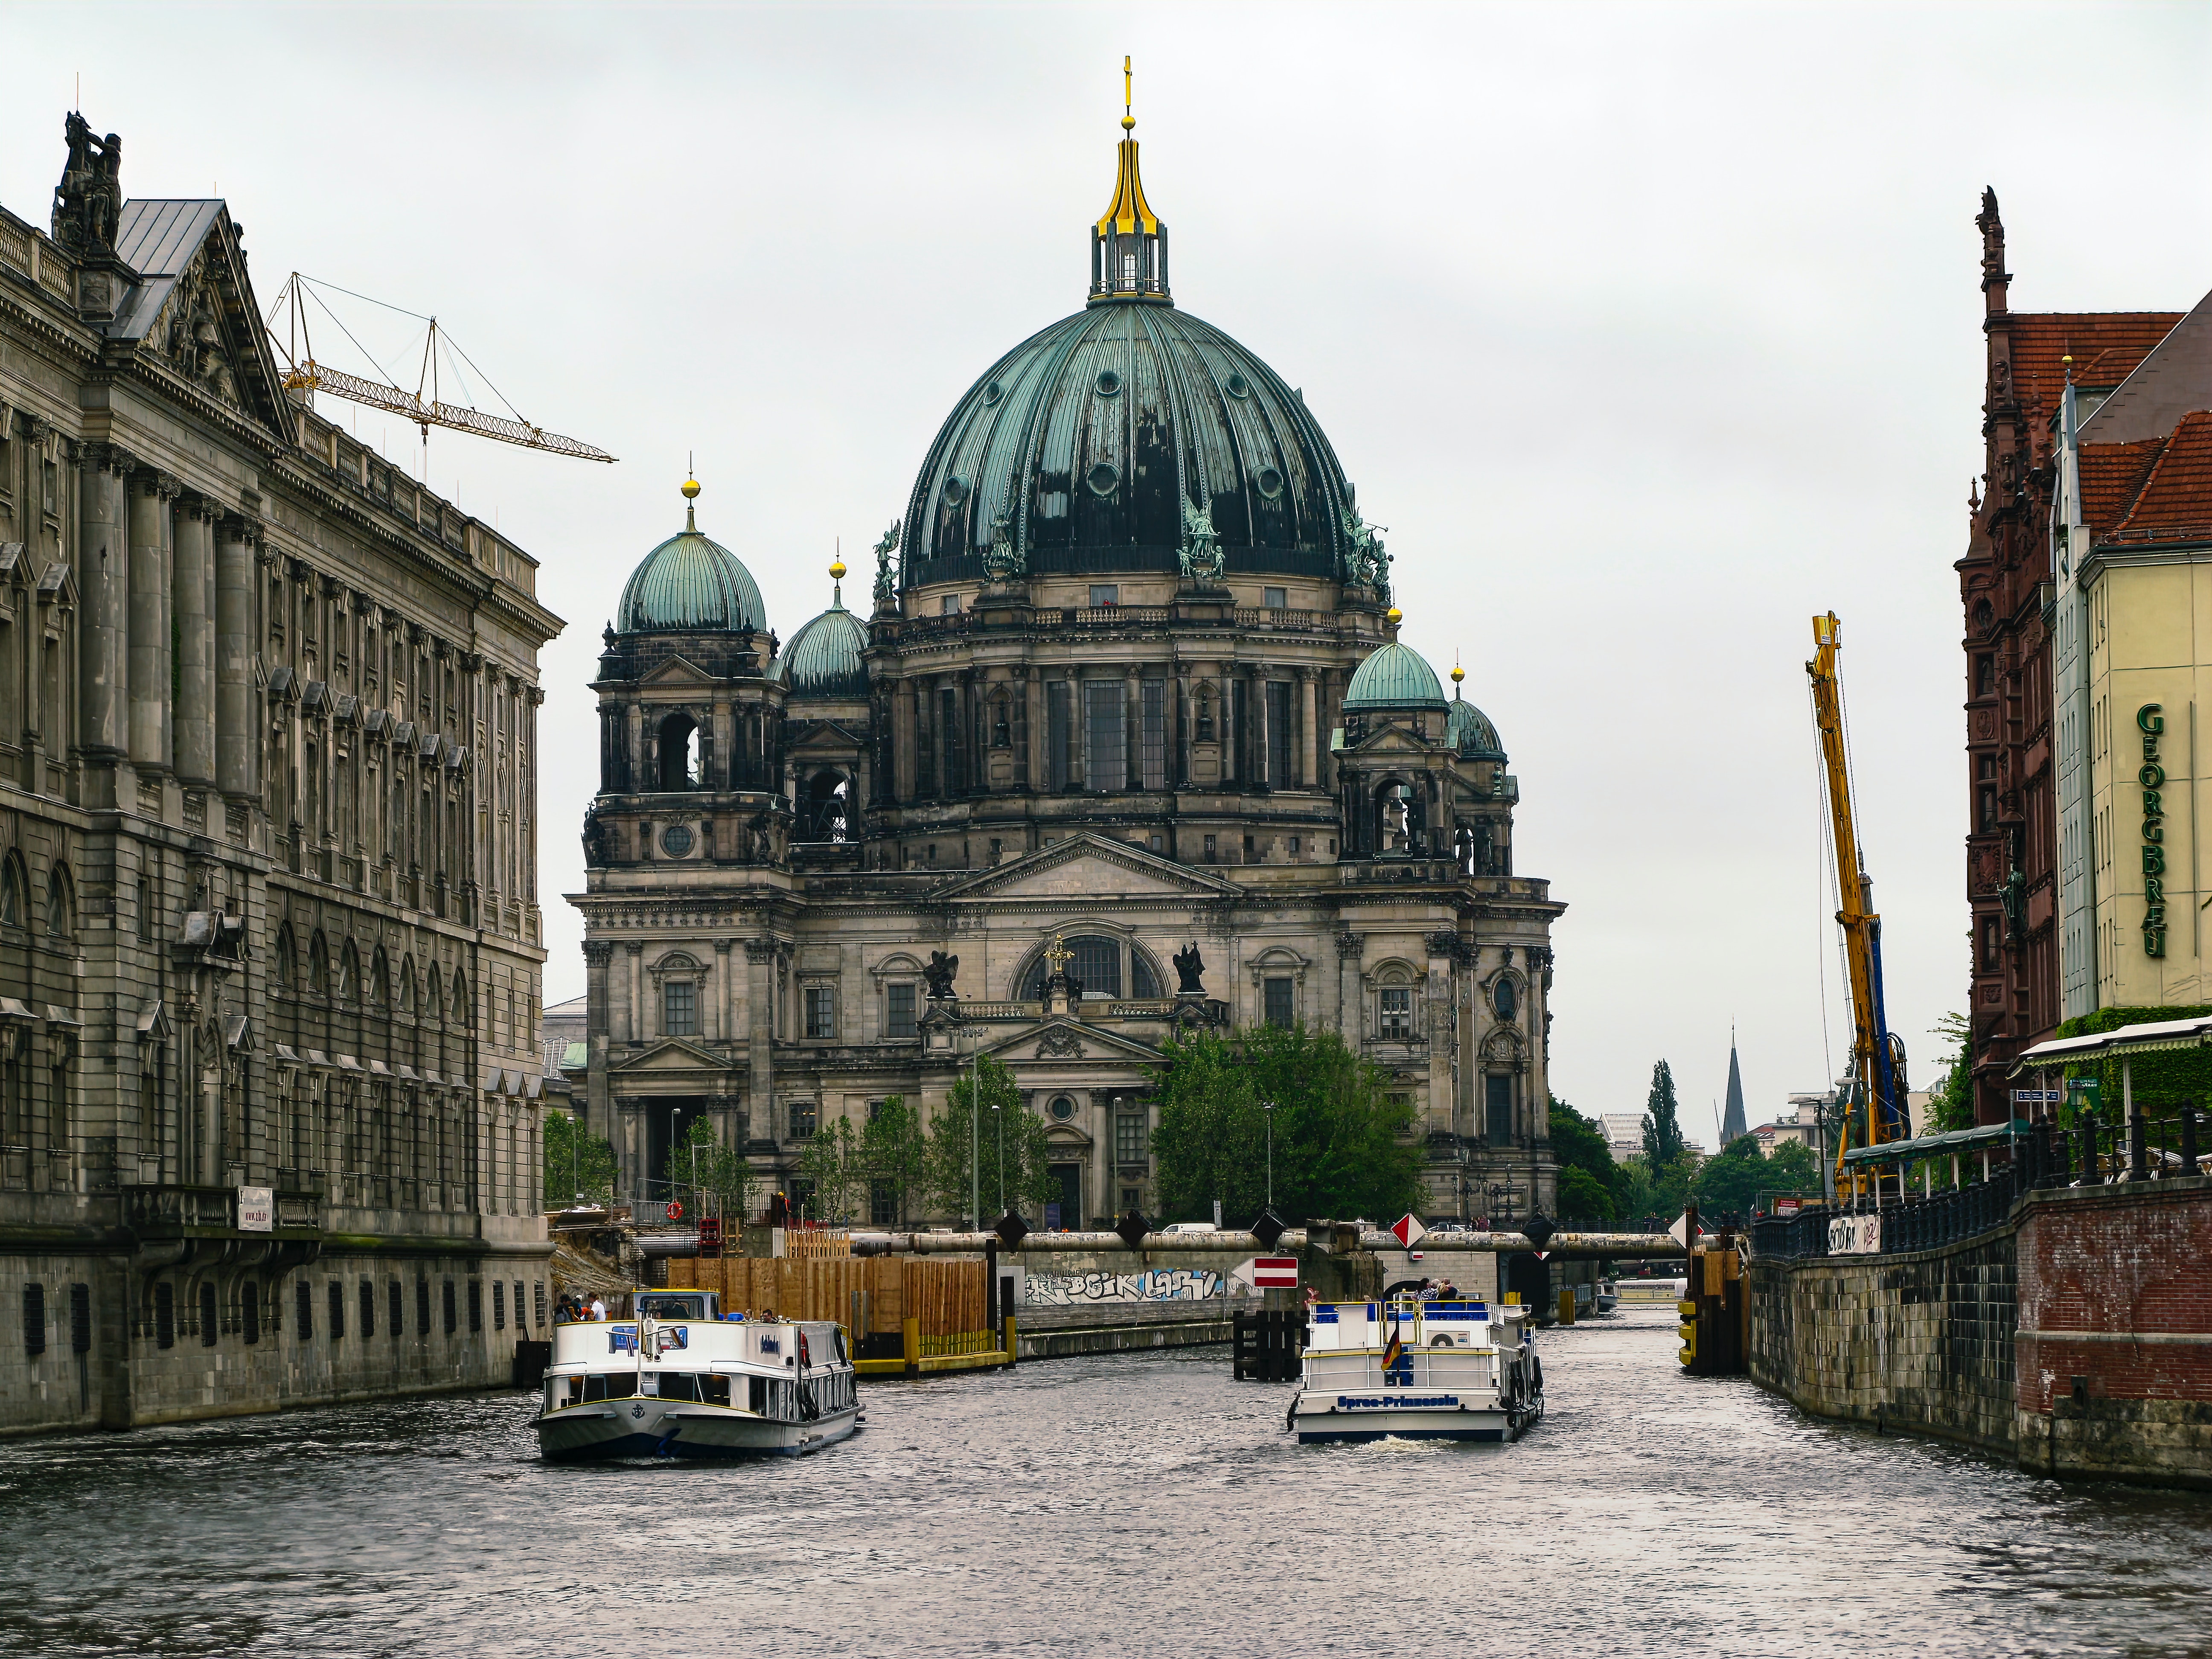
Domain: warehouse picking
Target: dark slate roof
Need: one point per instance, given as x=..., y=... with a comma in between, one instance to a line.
x=1472, y=730
x=1395, y=677
x=157, y=239
x=824, y=658
x=1091, y=436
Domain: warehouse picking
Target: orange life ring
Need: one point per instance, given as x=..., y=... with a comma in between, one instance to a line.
x=676, y=1209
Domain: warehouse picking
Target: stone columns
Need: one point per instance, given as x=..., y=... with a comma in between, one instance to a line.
x=237, y=729
x=103, y=574
x=150, y=700
x=633, y=976
x=721, y=1023
x=1179, y=776
x=598, y=1117
x=1033, y=705
x=1348, y=1023
x=1307, y=752
x=760, y=1025
x=192, y=593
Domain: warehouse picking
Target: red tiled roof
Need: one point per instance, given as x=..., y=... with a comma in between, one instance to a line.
x=2176, y=499
x=2106, y=346
x=2111, y=478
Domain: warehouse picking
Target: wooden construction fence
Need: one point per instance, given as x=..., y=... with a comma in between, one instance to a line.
x=867, y=1295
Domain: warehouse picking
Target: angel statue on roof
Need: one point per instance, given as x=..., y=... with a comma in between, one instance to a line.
x=886, y=587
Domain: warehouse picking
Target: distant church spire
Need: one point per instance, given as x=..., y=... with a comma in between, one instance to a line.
x=1128, y=245
x=1732, y=1123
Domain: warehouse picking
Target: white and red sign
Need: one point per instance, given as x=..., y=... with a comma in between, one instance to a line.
x=1409, y=1231
x=1269, y=1273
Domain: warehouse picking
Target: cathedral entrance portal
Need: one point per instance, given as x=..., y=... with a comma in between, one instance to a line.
x=667, y=1125
x=1068, y=1178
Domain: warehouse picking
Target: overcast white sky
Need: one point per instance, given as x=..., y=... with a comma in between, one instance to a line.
x=1649, y=331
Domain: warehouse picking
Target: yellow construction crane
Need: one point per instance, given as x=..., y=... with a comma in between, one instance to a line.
x=303, y=374
x=1874, y=1109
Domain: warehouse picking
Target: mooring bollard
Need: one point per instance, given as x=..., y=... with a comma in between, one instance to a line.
x=1013, y=1341
x=913, y=1346
x=1567, y=1305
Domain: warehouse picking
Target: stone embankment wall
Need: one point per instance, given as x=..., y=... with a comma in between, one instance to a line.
x=2076, y=1338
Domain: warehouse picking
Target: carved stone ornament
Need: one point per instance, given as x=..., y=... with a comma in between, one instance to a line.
x=88, y=201
x=1002, y=560
x=886, y=587
x=1061, y=1043
x=1202, y=558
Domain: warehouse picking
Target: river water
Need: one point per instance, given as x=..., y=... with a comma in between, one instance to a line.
x=1132, y=1505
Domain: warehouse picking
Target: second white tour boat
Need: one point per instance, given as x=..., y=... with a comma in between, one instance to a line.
x=680, y=1380
x=1411, y=1370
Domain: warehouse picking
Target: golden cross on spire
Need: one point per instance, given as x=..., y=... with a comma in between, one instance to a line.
x=1058, y=954
x=1128, y=97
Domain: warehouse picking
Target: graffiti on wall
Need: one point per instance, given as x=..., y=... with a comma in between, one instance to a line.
x=1159, y=1285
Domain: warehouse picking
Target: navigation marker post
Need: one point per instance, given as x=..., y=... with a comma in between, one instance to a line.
x=1408, y=1231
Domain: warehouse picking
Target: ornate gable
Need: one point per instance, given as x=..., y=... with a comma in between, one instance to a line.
x=670, y=1055
x=193, y=310
x=1086, y=865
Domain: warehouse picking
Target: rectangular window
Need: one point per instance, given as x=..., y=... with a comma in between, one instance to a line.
x=1237, y=764
x=1059, y=738
x=1277, y=996
x=498, y=1305
x=948, y=724
x=1152, y=754
x=680, y=1016
x=539, y=1300
x=1129, y=1139
x=1102, y=593
x=949, y=605
x=452, y=1319
x=1497, y=1107
x=1397, y=1014
x=337, y=1309
x=476, y=1304
x=1132, y=1198
x=821, y=1012
x=802, y=1120
x=883, y=1204
x=1106, y=757
x=899, y=999
x=1278, y=734
x=422, y=1307
x=1209, y=849
x=1275, y=599
x=303, y=1310
x=367, y=1308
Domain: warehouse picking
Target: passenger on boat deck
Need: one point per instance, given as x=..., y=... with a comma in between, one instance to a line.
x=1428, y=1290
x=599, y=1308
x=564, y=1310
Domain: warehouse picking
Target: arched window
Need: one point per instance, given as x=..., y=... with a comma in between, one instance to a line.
x=283, y=964
x=319, y=965
x=434, y=1000
x=678, y=749
x=1506, y=998
x=407, y=985
x=822, y=812
x=459, y=1012
x=14, y=891
x=1398, y=818
x=348, y=980
x=61, y=905
x=379, y=980
x=1098, y=965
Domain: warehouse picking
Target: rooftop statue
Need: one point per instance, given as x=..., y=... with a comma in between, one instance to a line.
x=88, y=201
x=1002, y=560
x=1189, y=965
x=1202, y=558
x=1366, y=563
x=939, y=972
x=886, y=585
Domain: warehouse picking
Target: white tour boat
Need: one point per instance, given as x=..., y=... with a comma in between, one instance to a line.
x=681, y=1380
x=1416, y=1370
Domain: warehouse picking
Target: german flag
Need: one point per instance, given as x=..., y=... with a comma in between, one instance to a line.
x=1394, y=1349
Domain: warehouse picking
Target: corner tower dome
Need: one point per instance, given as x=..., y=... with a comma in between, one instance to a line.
x=1094, y=445
x=690, y=584
x=1470, y=730
x=824, y=658
x=1395, y=677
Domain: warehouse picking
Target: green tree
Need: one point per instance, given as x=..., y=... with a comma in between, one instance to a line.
x=1951, y=1102
x=1662, y=1126
x=1587, y=1170
x=579, y=1167
x=711, y=1179
x=830, y=1165
x=1632, y=1194
x=1729, y=1182
x=1344, y=1145
x=985, y=1128
x=1793, y=1167
x=894, y=1154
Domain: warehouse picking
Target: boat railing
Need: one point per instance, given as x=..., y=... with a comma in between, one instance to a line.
x=1418, y=1367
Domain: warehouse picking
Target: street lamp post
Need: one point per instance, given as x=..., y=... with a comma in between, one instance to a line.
x=999, y=1118
x=976, y=1128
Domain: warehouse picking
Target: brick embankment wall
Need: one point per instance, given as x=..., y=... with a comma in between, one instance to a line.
x=1923, y=1342
x=2115, y=1339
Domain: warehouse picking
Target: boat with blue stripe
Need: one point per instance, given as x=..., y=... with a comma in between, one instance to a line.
x=1405, y=1369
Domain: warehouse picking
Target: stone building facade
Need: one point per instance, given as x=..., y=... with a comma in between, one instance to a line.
x=267, y=914
x=2025, y=976
x=1130, y=681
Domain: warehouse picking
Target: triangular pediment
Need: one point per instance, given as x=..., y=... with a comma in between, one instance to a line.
x=824, y=734
x=193, y=309
x=670, y=1055
x=1087, y=864
x=1394, y=740
x=1062, y=1039
x=679, y=671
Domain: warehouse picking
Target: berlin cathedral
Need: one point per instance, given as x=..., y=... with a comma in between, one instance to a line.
x=1128, y=689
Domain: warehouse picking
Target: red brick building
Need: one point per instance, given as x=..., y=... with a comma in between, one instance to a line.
x=2004, y=587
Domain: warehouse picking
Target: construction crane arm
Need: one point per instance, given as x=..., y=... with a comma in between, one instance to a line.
x=311, y=376
x=1877, y=1060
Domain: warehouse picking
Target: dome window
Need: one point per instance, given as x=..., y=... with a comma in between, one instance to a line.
x=1108, y=383
x=1270, y=482
x=991, y=393
x=675, y=840
x=1101, y=478
x=1238, y=387
x=956, y=491
x=1063, y=1108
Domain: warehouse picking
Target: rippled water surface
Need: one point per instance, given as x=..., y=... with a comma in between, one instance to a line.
x=1114, y=1505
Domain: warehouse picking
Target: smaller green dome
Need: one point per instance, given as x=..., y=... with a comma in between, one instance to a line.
x=690, y=583
x=1472, y=732
x=824, y=658
x=1395, y=677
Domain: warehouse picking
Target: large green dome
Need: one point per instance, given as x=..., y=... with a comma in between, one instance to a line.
x=690, y=584
x=1395, y=677
x=824, y=658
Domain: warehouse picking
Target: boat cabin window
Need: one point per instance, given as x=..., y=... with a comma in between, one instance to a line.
x=713, y=1390
x=673, y=1307
x=679, y=1385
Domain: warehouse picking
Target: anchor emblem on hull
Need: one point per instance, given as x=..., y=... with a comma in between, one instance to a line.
x=637, y=1410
